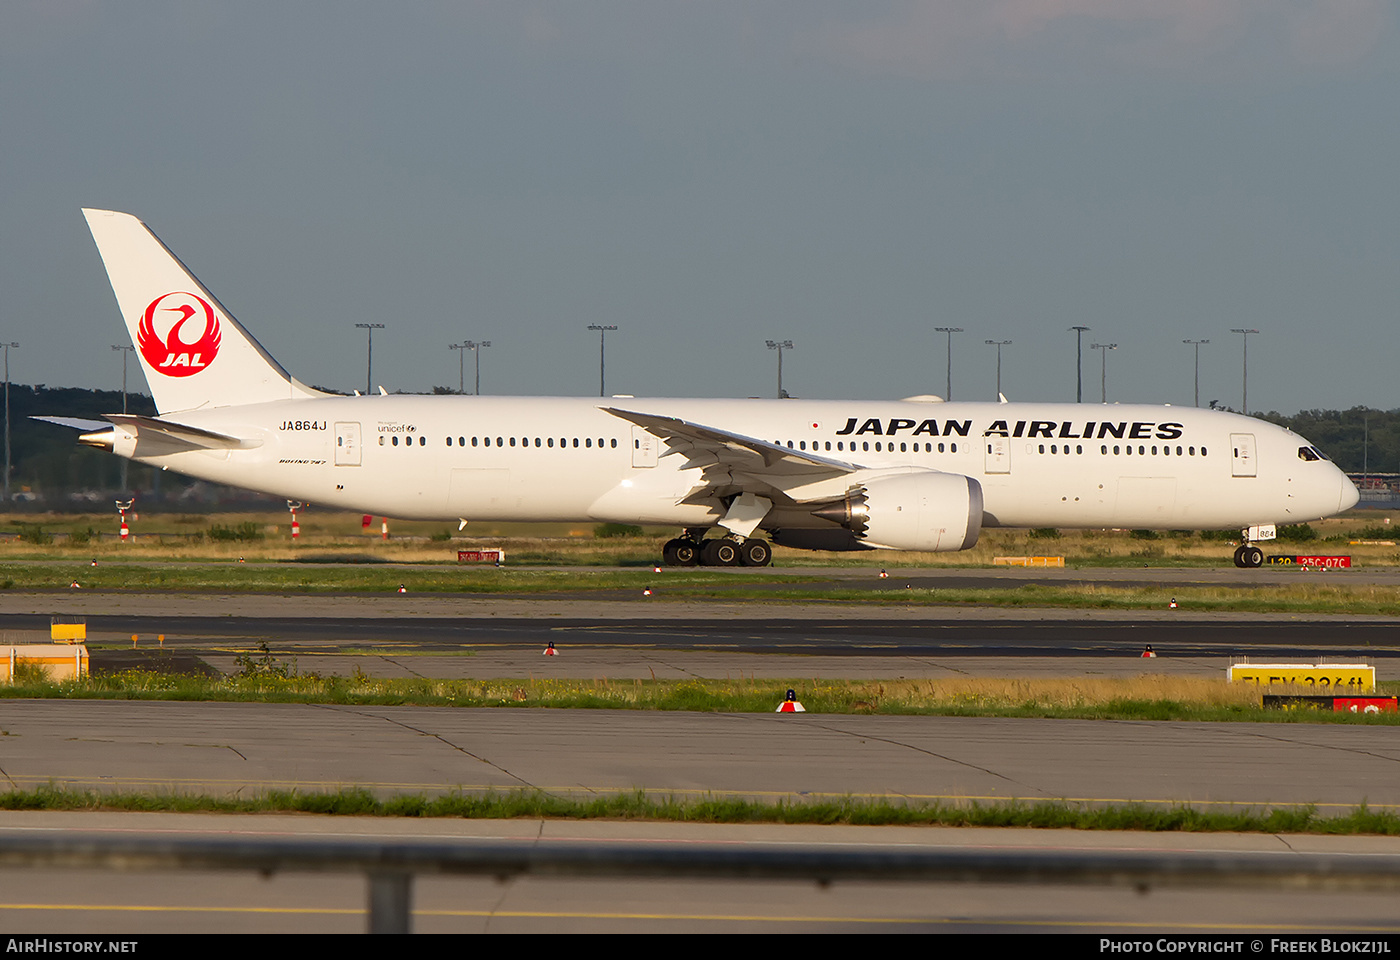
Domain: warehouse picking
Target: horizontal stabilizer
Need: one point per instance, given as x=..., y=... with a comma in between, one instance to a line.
x=75, y=423
x=194, y=436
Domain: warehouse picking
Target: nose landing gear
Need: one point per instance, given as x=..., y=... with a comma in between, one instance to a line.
x=1248, y=555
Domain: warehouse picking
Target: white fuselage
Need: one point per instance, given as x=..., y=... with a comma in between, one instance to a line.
x=567, y=459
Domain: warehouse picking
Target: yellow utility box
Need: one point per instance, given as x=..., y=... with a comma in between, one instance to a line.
x=67, y=629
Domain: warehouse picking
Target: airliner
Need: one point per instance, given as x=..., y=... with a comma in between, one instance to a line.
x=736, y=476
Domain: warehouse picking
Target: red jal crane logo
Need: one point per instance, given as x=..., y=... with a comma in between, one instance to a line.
x=179, y=334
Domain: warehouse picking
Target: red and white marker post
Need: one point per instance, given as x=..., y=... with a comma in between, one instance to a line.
x=122, y=507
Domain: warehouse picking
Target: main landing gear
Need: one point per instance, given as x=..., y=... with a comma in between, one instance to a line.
x=691, y=550
x=1248, y=555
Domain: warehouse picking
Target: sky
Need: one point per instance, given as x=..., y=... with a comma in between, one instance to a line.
x=709, y=176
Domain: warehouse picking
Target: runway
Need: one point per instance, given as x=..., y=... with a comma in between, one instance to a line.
x=455, y=636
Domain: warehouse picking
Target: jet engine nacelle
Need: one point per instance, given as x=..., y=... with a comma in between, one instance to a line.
x=918, y=510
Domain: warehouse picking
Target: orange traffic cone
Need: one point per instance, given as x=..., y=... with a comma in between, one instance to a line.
x=1148, y=652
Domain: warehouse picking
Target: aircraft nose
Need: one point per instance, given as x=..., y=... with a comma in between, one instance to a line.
x=1350, y=495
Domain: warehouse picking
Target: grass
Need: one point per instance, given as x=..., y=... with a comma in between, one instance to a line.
x=1305, y=595
x=296, y=578
x=161, y=536
x=1146, y=697
x=637, y=805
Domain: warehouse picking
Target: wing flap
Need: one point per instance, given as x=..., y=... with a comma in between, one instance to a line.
x=733, y=450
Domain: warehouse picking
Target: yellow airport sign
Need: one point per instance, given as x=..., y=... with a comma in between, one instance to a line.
x=1324, y=677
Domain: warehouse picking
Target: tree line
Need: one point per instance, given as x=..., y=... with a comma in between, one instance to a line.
x=1360, y=439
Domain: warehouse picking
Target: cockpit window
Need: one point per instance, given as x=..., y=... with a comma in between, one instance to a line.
x=1308, y=453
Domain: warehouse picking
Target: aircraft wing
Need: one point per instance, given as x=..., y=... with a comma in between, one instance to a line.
x=732, y=463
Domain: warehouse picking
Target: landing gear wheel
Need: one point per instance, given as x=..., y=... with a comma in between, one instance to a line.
x=755, y=553
x=720, y=553
x=1248, y=555
x=681, y=553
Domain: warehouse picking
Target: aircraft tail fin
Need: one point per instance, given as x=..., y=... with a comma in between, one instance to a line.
x=193, y=352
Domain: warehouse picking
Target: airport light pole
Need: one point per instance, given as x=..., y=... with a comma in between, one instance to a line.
x=475, y=347
x=948, y=389
x=998, y=344
x=1244, y=398
x=780, y=346
x=1103, y=367
x=602, y=353
x=369, y=329
x=1078, y=363
x=124, y=351
x=7, y=347
x=461, y=349
x=1197, y=344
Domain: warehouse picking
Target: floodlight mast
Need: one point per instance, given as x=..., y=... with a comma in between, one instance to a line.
x=475, y=347
x=1197, y=344
x=1078, y=363
x=7, y=347
x=998, y=344
x=369, y=329
x=124, y=349
x=948, y=386
x=1103, y=367
x=780, y=346
x=602, y=356
x=1244, y=394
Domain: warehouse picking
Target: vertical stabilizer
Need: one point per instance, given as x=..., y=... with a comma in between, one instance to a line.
x=193, y=353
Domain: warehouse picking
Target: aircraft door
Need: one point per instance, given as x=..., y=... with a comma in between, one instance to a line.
x=998, y=455
x=347, y=444
x=644, y=446
x=1242, y=455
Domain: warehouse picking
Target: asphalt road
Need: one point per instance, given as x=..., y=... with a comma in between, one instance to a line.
x=129, y=905
x=239, y=748
x=220, y=747
x=228, y=747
